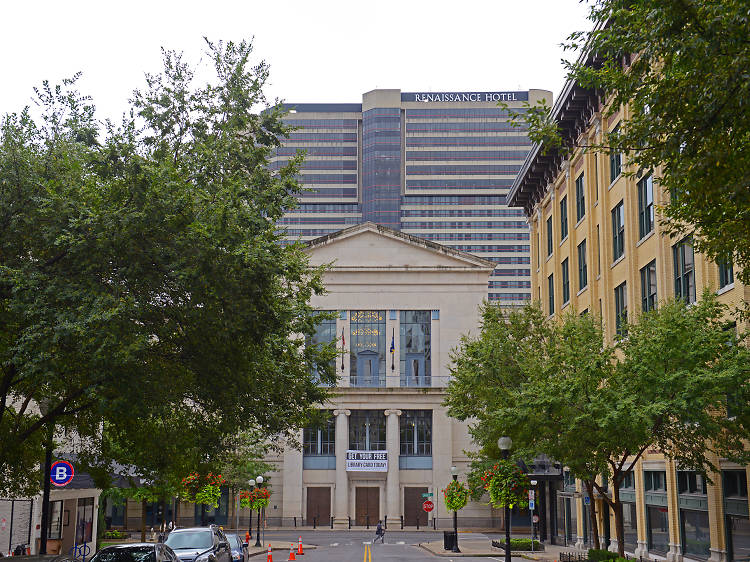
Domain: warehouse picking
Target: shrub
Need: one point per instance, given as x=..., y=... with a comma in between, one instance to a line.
x=518, y=544
x=115, y=534
x=596, y=554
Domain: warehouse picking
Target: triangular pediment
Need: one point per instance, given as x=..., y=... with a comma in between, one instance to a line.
x=370, y=245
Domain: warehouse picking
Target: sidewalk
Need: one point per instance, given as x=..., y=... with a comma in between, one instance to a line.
x=483, y=547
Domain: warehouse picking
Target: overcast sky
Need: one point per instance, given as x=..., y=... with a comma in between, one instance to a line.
x=319, y=50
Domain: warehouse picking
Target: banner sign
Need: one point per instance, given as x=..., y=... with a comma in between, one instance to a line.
x=367, y=461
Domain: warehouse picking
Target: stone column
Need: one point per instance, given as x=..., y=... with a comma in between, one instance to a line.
x=341, y=492
x=392, y=483
x=716, y=517
x=291, y=481
x=641, y=550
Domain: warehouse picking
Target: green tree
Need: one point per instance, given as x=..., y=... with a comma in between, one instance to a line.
x=681, y=67
x=142, y=274
x=574, y=401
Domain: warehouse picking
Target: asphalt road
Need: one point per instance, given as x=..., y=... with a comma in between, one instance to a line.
x=353, y=546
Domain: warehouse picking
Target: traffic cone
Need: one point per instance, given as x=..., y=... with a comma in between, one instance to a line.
x=299, y=547
x=291, y=553
x=269, y=558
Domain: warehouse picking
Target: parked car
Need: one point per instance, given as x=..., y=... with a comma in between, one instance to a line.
x=200, y=544
x=239, y=547
x=138, y=552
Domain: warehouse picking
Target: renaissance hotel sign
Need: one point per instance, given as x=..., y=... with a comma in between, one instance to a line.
x=367, y=461
x=463, y=97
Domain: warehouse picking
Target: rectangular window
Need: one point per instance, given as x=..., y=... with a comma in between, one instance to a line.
x=628, y=481
x=583, y=275
x=549, y=237
x=367, y=348
x=565, y=282
x=551, y=287
x=684, y=270
x=655, y=480
x=563, y=218
x=690, y=482
x=621, y=309
x=367, y=430
x=735, y=483
x=645, y=206
x=618, y=231
x=695, y=532
x=320, y=440
x=630, y=522
x=325, y=334
x=580, y=199
x=726, y=274
x=55, y=519
x=414, y=349
x=615, y=162
x=416, y=432
x=657, y=528
x=648, y=287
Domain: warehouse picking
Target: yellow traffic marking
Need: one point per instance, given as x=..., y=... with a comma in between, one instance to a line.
x=368, y=554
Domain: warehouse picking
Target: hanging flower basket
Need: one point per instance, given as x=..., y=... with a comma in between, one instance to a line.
x=506, y=485
x=255, y=499
x=203, y=489
x=456, y=494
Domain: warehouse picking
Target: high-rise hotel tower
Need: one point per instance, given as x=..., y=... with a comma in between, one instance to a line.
x=435, y=165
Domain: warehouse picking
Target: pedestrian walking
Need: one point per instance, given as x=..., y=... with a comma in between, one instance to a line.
x=379, y=533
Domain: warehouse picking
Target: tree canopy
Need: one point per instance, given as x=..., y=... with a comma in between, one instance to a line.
x=143, y=279
x=559, y=389
x=681, y=67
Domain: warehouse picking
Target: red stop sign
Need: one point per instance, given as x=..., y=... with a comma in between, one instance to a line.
x=428, y=506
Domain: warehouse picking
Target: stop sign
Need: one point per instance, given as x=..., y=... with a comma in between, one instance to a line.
x=428, y=506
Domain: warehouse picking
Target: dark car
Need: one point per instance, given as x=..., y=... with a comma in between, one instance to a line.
x=200, y=544
x=239, y=547
x=139, y=552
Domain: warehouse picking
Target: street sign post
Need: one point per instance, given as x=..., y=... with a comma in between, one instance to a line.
x=427, y=495
x=531, y=505
x=61, y=473
x=586, y=500
x=428, y=506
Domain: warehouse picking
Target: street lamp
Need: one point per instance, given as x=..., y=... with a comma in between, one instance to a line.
x=454, y=474
x=505, y=443
x=258, y=481
x=531, y=514
x=251, y=483
x=44, y=408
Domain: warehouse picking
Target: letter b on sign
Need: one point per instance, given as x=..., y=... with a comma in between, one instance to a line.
x=61, y=473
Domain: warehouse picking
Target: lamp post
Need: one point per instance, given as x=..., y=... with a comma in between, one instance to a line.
x=531, y=515
x=258, y=481
x=505, y=443
x=44, y=408
x=454, y=474
x=250, y=525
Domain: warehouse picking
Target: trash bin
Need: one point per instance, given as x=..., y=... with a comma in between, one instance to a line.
x=449, y=540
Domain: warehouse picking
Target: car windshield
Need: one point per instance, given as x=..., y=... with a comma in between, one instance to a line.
x=131, y=554
x=234, y=540
x=190, y=539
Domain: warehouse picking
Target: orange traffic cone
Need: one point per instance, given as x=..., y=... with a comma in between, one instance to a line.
x=299, y=547
x=269, y=558
x=291, y=553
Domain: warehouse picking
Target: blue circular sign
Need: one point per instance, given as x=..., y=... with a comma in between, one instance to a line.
x=61, y=473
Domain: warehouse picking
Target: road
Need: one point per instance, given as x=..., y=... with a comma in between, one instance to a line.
x=353, y=546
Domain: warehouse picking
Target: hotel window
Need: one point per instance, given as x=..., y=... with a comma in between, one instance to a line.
x=648, y=287
x=565, y=282
x=320, y=441
x=551, y=287
x=655, y=480
x=580, y=199
x=615, y=161
x=684, y=270
x=583, y=275
x=645, y=206
x=726, y=274
x=563, y=218
x=735, y=483
x=414, y=347
x=628, y=481
x=618, y=231
x=367, y=430
x=416, y=432
x=621, y=309
x=549, y=236
x=690, y=482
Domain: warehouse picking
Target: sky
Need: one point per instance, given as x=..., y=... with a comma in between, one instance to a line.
x=318, y=50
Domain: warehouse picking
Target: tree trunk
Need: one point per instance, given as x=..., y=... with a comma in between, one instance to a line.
x=619, y=522
x=176, y=512
x=592, y=511
x=143, y=521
